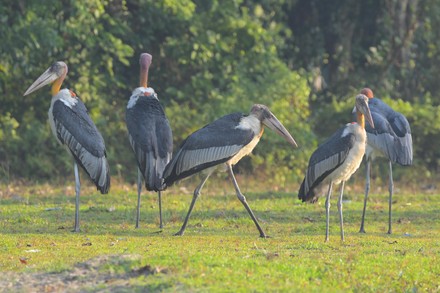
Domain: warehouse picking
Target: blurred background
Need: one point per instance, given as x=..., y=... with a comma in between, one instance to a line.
x=305, y=59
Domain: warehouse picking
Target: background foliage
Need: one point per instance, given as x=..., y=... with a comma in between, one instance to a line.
x=305, y=59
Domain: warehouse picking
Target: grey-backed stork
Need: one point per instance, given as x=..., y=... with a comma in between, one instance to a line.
x=73, y=127
x=150, y=136
x=390, y=138
x=226, y=140
x=336, y=160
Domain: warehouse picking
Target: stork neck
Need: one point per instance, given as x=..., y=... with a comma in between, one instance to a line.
x=261, y=131
x=144, y=77
x=58, y=82
x=56, y=86
x=360, y=119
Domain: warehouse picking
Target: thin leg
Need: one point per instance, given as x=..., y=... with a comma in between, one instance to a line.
x=138, y=208
x=341, y=219
x=77, y=190
x=327, y=210
x=195, y=196
x=390, y=189
x=160, y=209
x=367, y=190
x=242, y=198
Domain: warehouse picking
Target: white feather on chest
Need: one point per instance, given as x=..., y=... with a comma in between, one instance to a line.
x=354, y=158
x=140, y=91
x=247, y=123
x=64, y=96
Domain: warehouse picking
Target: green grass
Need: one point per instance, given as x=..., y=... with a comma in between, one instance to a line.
x=221, y=250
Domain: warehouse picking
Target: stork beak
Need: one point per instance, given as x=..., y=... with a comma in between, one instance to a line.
x=50, y=75
x=273, y=123
x=362, y=106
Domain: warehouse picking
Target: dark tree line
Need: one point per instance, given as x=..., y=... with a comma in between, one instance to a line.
x=305, y=59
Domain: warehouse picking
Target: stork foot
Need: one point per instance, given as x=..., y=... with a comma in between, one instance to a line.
x=180, y=233
x=389, y=232
x=264, y=236
x=362, y=230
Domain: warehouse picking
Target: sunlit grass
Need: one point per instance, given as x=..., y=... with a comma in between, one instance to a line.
x=221, y=250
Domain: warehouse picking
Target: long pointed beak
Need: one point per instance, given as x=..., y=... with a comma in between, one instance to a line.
x=273, y=123
x=363, y=107
x=46, y=78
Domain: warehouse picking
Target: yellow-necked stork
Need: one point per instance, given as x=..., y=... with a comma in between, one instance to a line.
x=391, y=138
x=73, y=127
x=225, y=140
x=150, y=136
x=336, y=160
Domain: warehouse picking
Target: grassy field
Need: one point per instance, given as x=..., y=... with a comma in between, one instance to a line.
x=221, y=250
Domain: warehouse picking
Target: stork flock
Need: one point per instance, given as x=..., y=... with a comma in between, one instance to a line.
x=223, y=142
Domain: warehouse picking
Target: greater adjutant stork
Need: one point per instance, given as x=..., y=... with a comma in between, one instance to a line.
x=150, y=136
x=391, y=138
x=225, y=140
x=336, y=160
x=73, y=127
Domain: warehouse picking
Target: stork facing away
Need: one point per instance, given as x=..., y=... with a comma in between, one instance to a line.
x=224, y=141
x=391, y=138
x=150, y=136
x=336, y=160
x=73, y=127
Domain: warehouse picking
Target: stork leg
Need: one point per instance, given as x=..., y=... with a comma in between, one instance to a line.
x=327, y=210
x=77, y=190
x=195, y=196
x=341, y=219
x=138, y=208
x=367, y=190
x=160, y=209
x=390, y=189
x=242, y=198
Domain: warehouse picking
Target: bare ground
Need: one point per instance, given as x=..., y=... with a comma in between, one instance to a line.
x=90, y=276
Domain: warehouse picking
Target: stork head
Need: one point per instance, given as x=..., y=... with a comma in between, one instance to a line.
x=55, y=73
x=368, y=92
x=363, y=109
x=268, y=118
x=144, y=62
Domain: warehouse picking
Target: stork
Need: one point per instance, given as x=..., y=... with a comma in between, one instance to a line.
x=391, y=138
x=336, y=160
x=226, y=140
x=150, y=136
x=72, y=126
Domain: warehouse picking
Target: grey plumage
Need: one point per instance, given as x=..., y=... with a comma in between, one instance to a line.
x=151, y=139
x=209, y=146
x=336, y=160
x=73, y=127
x=76, y=130
x=226, y=140
x=391, y=135
x=391, y=139
x=327, y=157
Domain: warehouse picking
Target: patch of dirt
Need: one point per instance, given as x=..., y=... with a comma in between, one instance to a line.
x=94, y=275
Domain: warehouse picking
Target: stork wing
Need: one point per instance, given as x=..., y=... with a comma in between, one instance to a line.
x=391, y=136
x=76, y=130
x=211, y=145
x=329, y=156
x=151, y=139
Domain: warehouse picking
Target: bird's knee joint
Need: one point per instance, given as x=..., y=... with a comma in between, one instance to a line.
x=339, y=205
x=241, y=197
